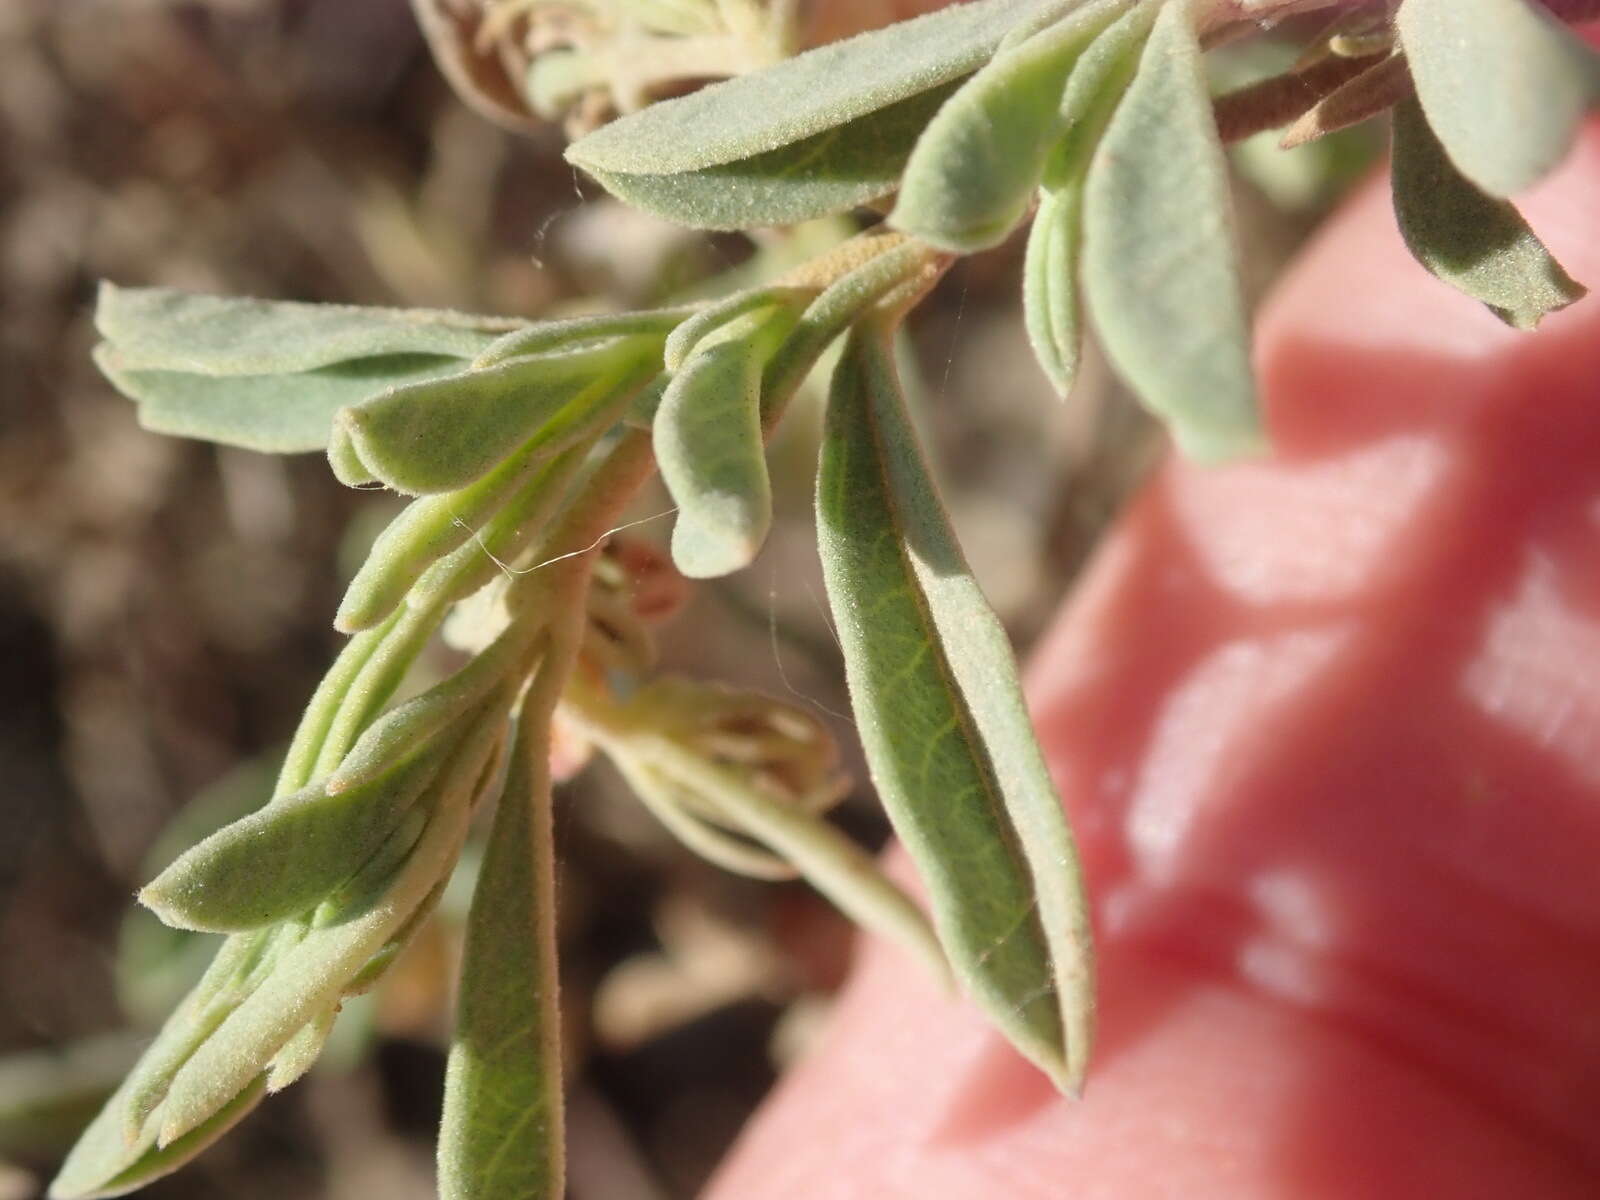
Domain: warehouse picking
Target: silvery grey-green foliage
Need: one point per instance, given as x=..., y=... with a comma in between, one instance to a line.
x=1503, y=83
x=942, y=720
x=1050, y=283
x=1160, y=259
x=525, y=440
x=975, y=168
x=269, y=375
x=1472, y=241
x=709, y=447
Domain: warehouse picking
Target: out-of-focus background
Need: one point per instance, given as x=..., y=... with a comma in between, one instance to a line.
x=165, y=606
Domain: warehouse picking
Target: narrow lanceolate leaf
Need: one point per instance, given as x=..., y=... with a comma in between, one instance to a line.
x=973, y=172
x=1160, y=271
x=1095, y=88
x=1474, y=242
x=1050, y=284
x=710, y=451
x=444, y=434
x=831, y=171
x=1504, y=85
x=276, y=414
x=800, y=97
x=285, y=858
x=166, y=329
x=818, y=133
x=934, y=688
x=501, y=1135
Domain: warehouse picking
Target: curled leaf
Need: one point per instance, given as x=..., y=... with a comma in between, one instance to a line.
x=1050, y=284
x=933, y=684
x=1477, y=244
x=710, y=450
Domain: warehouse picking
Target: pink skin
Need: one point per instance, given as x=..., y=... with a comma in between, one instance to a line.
x=1328, y=726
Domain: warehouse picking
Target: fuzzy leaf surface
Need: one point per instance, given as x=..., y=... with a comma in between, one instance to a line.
x=285, y=858
x=168, y=329
x=824, y=88
x=442, y=434
x=501, y=1135
x=833, y=170
x=709, y=448
x=1050, y=284
x=276, y=414
x=1504, y=85
x=933, y=684
x=973, y=171
x=1160, y=269
x=1476, y=243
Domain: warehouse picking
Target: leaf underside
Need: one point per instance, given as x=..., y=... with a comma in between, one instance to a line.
x=1476, y=243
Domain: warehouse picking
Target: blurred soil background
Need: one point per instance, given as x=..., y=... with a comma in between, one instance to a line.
x=165, y=606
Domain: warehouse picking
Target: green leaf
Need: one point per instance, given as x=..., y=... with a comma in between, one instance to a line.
x=1476, y=243
x=831, y=171
x=573, y=333
x=443, y=434
x=972, y=175
x=501, y=1135
x=277, y=414
x=1095, y=88
x=817, y=91
x=301, y=1052
x=285, y=858
x=102, y=1163
x=1050, y=283
x=934, y=687
x=312, y=974
x=165, y=329
x=709, y=447
x=1504, y=85
x=1160, y=272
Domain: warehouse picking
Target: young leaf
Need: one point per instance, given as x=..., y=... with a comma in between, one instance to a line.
x=301, y=1052
x=169, y=330
x=1160, y=274
x=1474, y=242
x=831, y=171
x=285, y=858
x=1503, y=83
x=947, y=736
x=311, y=975
x=276, y=414
x=973, y=172
x=501, y=1135
x=1050, y=283
x=444, y=434
x=1095, y=88
x=710, y=451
